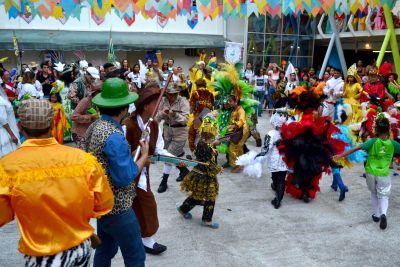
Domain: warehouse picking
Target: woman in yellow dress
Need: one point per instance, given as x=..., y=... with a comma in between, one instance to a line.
x=60, y=123
x=351, y=92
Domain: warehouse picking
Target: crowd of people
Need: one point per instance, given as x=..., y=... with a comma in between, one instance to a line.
x=315, y=119
x=119, y=115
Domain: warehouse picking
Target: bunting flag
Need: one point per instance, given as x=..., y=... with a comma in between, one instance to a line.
x=164, y=10
x=193, y=17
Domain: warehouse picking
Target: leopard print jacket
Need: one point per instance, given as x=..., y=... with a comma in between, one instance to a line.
x=96, y=137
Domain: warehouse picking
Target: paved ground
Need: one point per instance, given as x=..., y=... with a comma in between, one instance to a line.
x=252, y=233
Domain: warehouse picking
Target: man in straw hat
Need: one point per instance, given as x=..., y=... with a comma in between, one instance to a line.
x=53, y=190
x=144, y=204
x=105, y=140
x=174, y=110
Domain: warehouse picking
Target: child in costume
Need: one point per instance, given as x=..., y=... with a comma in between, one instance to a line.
x=347, y=136
x=234, y=120
x=201, y=99
x=201, y=182
x=380, y=154
x=60, y=123
x=308, y=145
x=253, y=162
x=276, y=164
x=351, y=92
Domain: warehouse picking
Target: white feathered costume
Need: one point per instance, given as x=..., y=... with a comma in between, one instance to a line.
x=253, y=162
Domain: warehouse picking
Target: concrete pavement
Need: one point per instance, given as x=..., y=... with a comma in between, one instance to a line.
x=324, y=232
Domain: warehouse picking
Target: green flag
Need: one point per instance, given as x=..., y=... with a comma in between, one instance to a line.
x=111, y=53
x=17, y=52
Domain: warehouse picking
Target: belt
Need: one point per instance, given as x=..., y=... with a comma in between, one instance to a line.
x=175, y=125
x=330, y=102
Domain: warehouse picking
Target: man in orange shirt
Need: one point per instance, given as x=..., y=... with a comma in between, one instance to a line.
x=53, y=191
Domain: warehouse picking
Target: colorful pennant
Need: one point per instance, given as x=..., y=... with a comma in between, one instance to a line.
x=164, y=10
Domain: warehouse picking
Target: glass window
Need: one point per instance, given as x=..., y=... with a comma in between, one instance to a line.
x=306, y=44
x=256, y=24
x=273, y=24
x=289, y=45
x=304, y=62
x=290, y=25
x=272, y=59
x=255, y=43
x=272, y=44
x=307, y=24
x=255, y=60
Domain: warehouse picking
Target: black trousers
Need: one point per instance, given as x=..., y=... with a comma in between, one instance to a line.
x=208, y=210
x=278, y=182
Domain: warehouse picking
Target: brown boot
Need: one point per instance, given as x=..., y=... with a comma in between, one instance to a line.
x=237, y=169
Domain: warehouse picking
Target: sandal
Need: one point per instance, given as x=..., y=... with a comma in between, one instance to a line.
x=212, y=225
x=187, y=215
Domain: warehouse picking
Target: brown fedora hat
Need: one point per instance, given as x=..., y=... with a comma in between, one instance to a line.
x=146, y=95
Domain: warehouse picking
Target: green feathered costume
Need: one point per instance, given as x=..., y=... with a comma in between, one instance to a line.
x=227, y=83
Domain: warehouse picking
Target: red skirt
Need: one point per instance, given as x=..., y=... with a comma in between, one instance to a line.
x=297, y=192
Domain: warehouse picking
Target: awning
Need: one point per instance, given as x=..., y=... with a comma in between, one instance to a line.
x=87, y=41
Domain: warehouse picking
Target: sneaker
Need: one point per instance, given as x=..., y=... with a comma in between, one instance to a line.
x=237, y=169
x=187, y=215
x=276, y=203
x=305, y=198
x=343, y=194
x=210, y=225
x=157, y=249
x=375, y=218
x=383, y=223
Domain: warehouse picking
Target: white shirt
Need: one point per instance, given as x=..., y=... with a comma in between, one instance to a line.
x=337, y=86
x=249, y=74
x=38, y=87
x=7, y=117
x=290, y=86
x=274, y=158
x=136, y=78
x=159, y=150
x=275, y=77
x=28, y=88
x=176, y=78
x=260, y=82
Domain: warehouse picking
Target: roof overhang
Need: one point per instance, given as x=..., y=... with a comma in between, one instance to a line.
x=96, y=40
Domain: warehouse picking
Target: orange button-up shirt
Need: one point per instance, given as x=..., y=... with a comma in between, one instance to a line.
x=53, y=191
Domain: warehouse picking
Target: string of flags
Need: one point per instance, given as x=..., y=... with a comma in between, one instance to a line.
x=165, y=10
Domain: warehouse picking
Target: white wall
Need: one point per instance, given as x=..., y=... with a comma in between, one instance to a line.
x=235, y=30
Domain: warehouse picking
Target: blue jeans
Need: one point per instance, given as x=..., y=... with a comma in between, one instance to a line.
x=271, y=92
x=121, y=230
x=337, y=180
x=260, y=95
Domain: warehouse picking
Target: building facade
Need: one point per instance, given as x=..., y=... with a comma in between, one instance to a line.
x=273, y=40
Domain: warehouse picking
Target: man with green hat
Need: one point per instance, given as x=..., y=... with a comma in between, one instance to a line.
x=174, y=110
x=105, y=140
